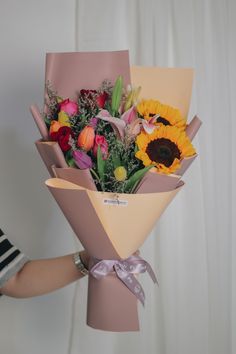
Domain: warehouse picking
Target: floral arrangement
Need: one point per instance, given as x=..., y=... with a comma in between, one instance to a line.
x=116, y=135
x=102, y=142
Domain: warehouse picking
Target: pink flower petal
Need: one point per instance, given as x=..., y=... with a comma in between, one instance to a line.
x=148, y=127
x=130, y=115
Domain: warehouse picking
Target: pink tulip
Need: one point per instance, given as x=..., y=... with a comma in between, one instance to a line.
x=100, y=140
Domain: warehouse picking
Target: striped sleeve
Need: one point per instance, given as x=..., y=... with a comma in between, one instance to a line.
x=11, y=259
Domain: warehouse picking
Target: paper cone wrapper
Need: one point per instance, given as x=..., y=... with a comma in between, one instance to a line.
x=106, y=225
x=68, y=73
x=185, y=164
x=154, y=182
x=74, y=175
x=171, y=86
x=109, y=225
x=51, y=154
x=39, y=122
x=193, y=127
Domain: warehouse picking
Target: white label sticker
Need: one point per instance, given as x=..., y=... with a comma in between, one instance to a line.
x=117, y=202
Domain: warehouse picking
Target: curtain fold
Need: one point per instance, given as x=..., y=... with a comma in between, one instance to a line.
x=192, y=248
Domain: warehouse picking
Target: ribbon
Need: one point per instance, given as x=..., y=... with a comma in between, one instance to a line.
x=125, y=270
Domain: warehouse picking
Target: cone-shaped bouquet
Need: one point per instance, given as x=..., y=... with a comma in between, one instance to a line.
x=113, y=215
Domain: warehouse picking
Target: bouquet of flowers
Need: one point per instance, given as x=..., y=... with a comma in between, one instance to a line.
x=117, y=160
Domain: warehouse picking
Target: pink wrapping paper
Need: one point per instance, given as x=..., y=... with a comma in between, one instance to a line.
x=71, y=72
x=51, y=154
x=111, y=305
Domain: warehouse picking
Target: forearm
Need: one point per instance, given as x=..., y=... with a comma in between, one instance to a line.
x=39, y=277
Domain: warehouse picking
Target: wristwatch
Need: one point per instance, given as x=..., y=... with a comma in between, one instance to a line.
x=79, y=264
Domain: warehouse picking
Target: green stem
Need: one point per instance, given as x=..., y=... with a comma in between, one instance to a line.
x=97, y=178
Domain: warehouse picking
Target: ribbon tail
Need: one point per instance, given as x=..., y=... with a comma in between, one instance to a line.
x=151, y=273
x=131, y=282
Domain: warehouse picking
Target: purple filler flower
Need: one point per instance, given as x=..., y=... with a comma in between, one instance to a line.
x=82, y=160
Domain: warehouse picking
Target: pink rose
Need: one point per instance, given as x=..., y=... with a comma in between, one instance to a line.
x=68, y=107
x=100, y=140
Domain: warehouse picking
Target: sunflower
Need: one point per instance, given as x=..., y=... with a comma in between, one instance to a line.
x=166, y=115
x=164, y=148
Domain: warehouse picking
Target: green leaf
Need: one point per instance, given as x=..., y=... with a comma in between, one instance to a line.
x=47, y=121
x=116, y=95
x=135, y=178
x=71, y=163
x=69, y=159
x=100, y=164
x=116, y=161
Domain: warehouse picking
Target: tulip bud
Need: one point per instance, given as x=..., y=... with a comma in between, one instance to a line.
x=116, y=95
x=101, y=141
x=86, y=138
x=82, y=160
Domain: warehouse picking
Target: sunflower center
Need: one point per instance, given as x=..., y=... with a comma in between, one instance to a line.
x=163, y=151
x=163, y=121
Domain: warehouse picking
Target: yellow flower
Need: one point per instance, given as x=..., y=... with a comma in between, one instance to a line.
x=164, y=148
x=63, y=119
x=167, y=114
x=120, y=173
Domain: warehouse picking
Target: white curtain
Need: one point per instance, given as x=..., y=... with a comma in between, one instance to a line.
x=192, y=248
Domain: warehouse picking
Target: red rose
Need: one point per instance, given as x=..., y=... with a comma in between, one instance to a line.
x=62, y=136
x=101, y=99
x=98, y=98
